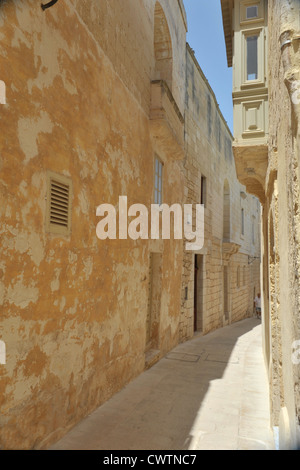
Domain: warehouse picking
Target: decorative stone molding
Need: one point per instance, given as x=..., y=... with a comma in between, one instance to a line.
x=166, y=121
x=229, y=249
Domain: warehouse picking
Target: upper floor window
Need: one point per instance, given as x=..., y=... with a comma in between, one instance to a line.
x=203, y=191
x=242, y=222
x=158, y=181
x=253, y=230
x=226, y=212
x=252, y=57
x=252, y=12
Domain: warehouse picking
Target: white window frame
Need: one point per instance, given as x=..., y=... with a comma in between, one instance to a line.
x=245, y=4
x=259, y=33
x=255, y=38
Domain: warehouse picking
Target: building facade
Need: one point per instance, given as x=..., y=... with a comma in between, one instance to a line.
x=262, y=42
x=97, y=108
x=85, y=119
x=221, y=280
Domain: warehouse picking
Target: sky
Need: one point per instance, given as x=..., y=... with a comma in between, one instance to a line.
x=206, y=37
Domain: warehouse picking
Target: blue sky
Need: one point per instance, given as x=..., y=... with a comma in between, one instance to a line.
x=206, y=38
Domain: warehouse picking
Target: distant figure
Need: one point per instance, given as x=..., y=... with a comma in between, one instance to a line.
x=257, y=304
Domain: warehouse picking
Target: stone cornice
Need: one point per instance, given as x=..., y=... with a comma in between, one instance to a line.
x=227, y=7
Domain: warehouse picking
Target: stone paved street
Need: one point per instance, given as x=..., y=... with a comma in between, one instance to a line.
x=208, y=393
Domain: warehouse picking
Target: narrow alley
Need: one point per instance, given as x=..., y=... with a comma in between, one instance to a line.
x=149, y=208
x=210, y=393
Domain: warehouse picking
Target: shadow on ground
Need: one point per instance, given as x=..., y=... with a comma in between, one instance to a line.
x=158, y=410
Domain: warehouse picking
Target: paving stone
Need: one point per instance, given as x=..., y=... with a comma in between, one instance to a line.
x=191, y=403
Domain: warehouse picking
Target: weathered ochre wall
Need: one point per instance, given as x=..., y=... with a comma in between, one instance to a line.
x=209, y=154
x=74, y=309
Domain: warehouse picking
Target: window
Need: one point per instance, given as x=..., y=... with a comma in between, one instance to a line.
x=226, y=212
x=158, y=181
x=253, y=230
x=209, y=115
x=252, y=57
x=58, y=215
x=242, y=222
x=203, y=191
x=252, y=12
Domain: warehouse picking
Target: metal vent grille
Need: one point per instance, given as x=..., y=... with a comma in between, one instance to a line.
x=59, y=203
x=59, y=196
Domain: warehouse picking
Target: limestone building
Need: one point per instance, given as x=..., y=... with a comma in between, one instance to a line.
x=220, y=281
x=98, y=104
x=262, y=42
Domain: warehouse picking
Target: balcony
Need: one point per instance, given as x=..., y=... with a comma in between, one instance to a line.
x=250, y=147
x=166, y=122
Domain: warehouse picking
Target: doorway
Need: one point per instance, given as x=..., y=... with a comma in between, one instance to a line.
x=198, y=293
x=154, y=301
x=226, y=302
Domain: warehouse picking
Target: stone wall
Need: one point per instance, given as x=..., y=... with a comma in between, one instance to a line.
x=74, y=308
x=90, y=100
x=281, y=221
x=209, y=155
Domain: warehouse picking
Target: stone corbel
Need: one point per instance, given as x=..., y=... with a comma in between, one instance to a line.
x=229, y=249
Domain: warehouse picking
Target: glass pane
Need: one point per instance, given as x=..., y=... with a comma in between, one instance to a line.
x=156, y=165
x=243, y=222
x=252, y=12
x=252, y=62
x=156, y=182
x=160, y=169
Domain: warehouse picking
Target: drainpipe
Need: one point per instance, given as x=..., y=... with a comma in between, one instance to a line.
x=290, y=54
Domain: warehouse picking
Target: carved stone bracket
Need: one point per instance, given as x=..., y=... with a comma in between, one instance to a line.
x=229, y=249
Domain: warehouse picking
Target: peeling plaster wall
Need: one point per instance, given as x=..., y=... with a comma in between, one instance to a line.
x=73, y=309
